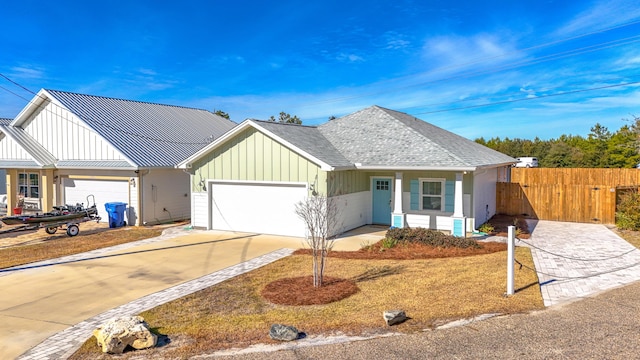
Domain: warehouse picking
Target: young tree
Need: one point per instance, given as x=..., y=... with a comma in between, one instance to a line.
x=286, y=118
x=320, y=215
x=222, y=113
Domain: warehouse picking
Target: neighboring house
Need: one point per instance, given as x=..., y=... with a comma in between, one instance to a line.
x=380, y=166
x=64, y=147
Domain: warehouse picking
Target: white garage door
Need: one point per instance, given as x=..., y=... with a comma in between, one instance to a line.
x=77, y=190
x=257, y=207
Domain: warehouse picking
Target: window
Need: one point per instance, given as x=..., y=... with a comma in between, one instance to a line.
x=432, y=194
x=382, y=184
x=29, y=185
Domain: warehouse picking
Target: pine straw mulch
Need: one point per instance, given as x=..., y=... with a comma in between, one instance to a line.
x=501, y=224
x=300, y=290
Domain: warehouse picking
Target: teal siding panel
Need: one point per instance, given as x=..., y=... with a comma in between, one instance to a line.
x=449, y=195
x=415, y=195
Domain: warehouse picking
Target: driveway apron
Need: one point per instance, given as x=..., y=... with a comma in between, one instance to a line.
x=576, y=260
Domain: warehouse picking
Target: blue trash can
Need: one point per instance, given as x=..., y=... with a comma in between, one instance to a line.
x=116, y=213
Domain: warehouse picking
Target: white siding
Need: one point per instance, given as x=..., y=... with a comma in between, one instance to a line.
x=199, y=209
x=484, y=190
x=9, y=149
x=133, y=208
x=66, y=137
x=354, y=210
x=165, y=196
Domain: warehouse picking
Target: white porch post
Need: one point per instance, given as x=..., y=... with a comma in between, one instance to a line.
x=458, y=202
x=397, y=217
x=459, y=222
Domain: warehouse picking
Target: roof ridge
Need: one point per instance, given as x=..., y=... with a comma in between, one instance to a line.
x=125, y=100
x=281, y=123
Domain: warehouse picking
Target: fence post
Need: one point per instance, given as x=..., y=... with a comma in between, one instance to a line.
x=511, y=240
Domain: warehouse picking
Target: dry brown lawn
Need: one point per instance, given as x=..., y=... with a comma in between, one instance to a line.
x=432, y=291
x=42, y=246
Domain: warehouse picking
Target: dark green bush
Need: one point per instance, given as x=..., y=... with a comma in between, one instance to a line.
x=429, y=237
x=628, y=214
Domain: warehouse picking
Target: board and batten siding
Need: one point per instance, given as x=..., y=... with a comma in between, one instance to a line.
x=10, y=149
x=66, y=137
x=253, y=156
x=347, y=182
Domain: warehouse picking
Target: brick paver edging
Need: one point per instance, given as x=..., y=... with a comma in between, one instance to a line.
x=65, y=343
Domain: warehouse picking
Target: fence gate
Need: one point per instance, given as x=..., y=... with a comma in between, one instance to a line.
x=558, y=202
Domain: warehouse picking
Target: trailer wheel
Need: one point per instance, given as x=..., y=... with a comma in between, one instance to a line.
x=51, y=229
x=73, y=230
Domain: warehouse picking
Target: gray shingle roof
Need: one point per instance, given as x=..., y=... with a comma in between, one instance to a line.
x=308, y=139
x=29, y=144
x=376, y=136
x=5, y=121
x=151, y=135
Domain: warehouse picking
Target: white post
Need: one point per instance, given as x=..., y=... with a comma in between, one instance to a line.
x=397, y=194
x=458, y=198
x=511, y=240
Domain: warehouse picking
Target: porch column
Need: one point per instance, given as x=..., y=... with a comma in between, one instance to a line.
x=459, y=222
x=458, y=202
x=12, y=190
x=47, y=188
x=397, y=217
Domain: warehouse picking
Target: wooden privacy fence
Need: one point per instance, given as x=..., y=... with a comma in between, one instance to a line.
x=575, y=195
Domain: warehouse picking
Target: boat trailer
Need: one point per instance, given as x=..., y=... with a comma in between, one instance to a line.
x=64, y=217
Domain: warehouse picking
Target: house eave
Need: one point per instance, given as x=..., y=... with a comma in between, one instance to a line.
x=419, y=168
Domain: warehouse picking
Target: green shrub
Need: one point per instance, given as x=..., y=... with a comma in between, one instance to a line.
x=429, y=237
x=388, y=243
x=486, y=228
x=628, y=214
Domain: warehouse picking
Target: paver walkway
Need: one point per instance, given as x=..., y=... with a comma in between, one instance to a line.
x=575, y=260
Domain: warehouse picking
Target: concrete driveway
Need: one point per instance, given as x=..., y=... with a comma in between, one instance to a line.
x=40, y=300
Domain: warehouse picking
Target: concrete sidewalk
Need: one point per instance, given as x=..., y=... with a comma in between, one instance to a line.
x=40, y=300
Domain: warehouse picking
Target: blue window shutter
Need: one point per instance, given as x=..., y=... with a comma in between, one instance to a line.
x=449, y=195
x=415, y=195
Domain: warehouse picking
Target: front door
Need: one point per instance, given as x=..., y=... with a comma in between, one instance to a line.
x=381, y=189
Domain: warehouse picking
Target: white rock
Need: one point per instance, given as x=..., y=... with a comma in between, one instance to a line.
x=116, y=334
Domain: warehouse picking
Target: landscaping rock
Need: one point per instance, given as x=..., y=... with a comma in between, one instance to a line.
x=283, y=332
x=118, y=333
x=393, y=317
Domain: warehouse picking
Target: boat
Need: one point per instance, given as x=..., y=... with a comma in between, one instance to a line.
x=59, y=214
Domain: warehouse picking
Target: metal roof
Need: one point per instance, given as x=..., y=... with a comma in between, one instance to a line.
x=151, y=135
x=40, y=155
x=92, y=164
x=379, y=137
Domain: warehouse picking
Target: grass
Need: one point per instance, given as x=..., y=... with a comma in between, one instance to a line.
x=63, y=245
x=432, y=291
x=632, y=237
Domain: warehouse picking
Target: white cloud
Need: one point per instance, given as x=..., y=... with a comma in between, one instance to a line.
x=603, y=14
x=349, y=58
x=27, y=72
x=460, y=53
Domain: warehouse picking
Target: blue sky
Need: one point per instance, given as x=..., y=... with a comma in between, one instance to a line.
x=490, y=68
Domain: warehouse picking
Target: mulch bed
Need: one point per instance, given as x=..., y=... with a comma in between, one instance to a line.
x=408, y=251
x=300, y=291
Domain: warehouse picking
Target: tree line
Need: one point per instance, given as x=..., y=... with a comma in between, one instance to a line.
x=601, y=148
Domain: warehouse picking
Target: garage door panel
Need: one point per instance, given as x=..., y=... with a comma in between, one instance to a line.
x=260, y=208
x=104, y=191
